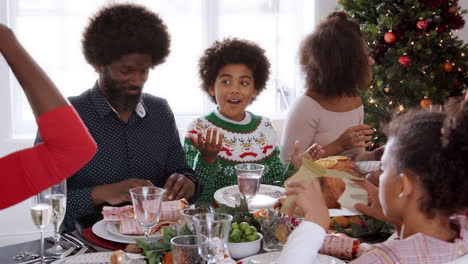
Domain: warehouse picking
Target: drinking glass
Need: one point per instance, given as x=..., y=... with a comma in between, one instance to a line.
x=249, y=176
x=212, y=234
x=185, y=250
x=189, y=213
x=59, y=205
x=147, y=205
x=276, y=228
x=41, y=212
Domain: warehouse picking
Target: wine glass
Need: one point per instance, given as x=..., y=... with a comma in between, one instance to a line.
x=249, y=176
x=41, y=212
x=212, y=231
x=146, y=205
x=59, y=205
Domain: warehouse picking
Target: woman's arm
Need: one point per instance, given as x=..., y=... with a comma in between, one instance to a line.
x=41, y=92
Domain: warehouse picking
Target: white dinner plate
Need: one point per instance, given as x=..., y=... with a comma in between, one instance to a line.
x=98, y=258
x=266, y=197
x=114, y=228
x=99, y=229
x=272, y=257
x=368, y=166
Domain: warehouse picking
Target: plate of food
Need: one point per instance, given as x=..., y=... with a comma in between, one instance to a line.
x=131, y=230
x=272, y=257
x=267, y=196
x=99, y=229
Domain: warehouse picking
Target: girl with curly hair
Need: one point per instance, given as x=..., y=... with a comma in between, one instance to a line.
x=233, y=73
x=422, y=191
x=336, y=63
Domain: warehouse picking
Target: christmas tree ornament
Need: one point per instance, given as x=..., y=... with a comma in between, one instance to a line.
x=425, y=102
x=404, y=61
x=390, y=37
x=453, y=9
x=387, y=89
x=447, y=66
x=422, y=24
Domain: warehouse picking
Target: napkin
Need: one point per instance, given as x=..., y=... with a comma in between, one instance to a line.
x=353, y=193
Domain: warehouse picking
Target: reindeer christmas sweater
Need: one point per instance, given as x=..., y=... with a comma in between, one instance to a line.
x=252, y=140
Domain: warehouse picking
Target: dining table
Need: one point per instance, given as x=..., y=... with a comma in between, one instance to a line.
x=7, y=253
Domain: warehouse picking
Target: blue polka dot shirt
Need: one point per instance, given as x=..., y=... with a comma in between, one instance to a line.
x=145, y=147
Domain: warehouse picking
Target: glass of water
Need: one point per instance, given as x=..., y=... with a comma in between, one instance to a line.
x=147, y=205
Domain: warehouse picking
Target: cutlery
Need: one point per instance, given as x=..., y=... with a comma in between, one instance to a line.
x=82, y=251
x=81, y=243
x=49, y=258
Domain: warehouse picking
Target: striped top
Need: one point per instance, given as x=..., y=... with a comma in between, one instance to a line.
x=419, y=248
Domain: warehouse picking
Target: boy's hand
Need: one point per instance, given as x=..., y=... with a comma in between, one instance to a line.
x=209, y=147
x=313, y=153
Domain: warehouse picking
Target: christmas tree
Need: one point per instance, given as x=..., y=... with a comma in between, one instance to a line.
x=418, y=61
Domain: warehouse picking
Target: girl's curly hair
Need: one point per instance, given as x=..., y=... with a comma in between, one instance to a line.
x=434, y=146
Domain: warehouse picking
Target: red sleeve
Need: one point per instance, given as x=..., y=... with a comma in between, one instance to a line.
x=67, y=146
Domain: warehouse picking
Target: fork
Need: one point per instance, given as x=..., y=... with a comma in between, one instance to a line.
x=50, y=258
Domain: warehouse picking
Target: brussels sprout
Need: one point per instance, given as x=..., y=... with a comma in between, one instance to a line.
x=243, y=226
x=234, y=226
x=253, y=237
x=250, y=230
x=236, y=236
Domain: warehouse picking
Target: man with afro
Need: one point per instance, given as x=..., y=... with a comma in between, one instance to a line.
x=138, y=142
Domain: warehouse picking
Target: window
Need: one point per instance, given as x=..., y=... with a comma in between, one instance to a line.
x=51, y=31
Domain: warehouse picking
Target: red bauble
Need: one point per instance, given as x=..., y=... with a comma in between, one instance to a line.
x=389, y=37
x=426, y=102
x=422, y=24
x=447, y=66
x=404, y=61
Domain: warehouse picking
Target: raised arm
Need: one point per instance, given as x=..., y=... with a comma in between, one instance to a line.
x=67, y=143
x=41, y=92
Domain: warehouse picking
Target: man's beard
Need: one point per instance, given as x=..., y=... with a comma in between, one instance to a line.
x=117, y=95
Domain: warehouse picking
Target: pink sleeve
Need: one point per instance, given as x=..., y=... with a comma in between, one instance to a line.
x=66, y=147
x=301, y=124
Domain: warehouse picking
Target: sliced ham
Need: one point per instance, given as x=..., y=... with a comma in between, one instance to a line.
x=116, y=214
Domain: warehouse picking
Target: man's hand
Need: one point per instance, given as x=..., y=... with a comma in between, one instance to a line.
x=210, y=146
x=310, y=199
x=116, y=193
x=313, y=153
x=179, y=186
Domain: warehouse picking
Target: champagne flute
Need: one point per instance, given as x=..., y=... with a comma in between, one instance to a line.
x=212, y=231
x=41, y=212
x=249, y=176
x=59, y=205
x=147, y=205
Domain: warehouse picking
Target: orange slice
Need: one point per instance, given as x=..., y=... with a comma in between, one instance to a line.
x=326, y=162
x=338, y=157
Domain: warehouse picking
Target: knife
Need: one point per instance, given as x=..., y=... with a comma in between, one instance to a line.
x=82, y=243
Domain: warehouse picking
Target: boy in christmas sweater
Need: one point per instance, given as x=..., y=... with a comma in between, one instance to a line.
x=233, y=72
